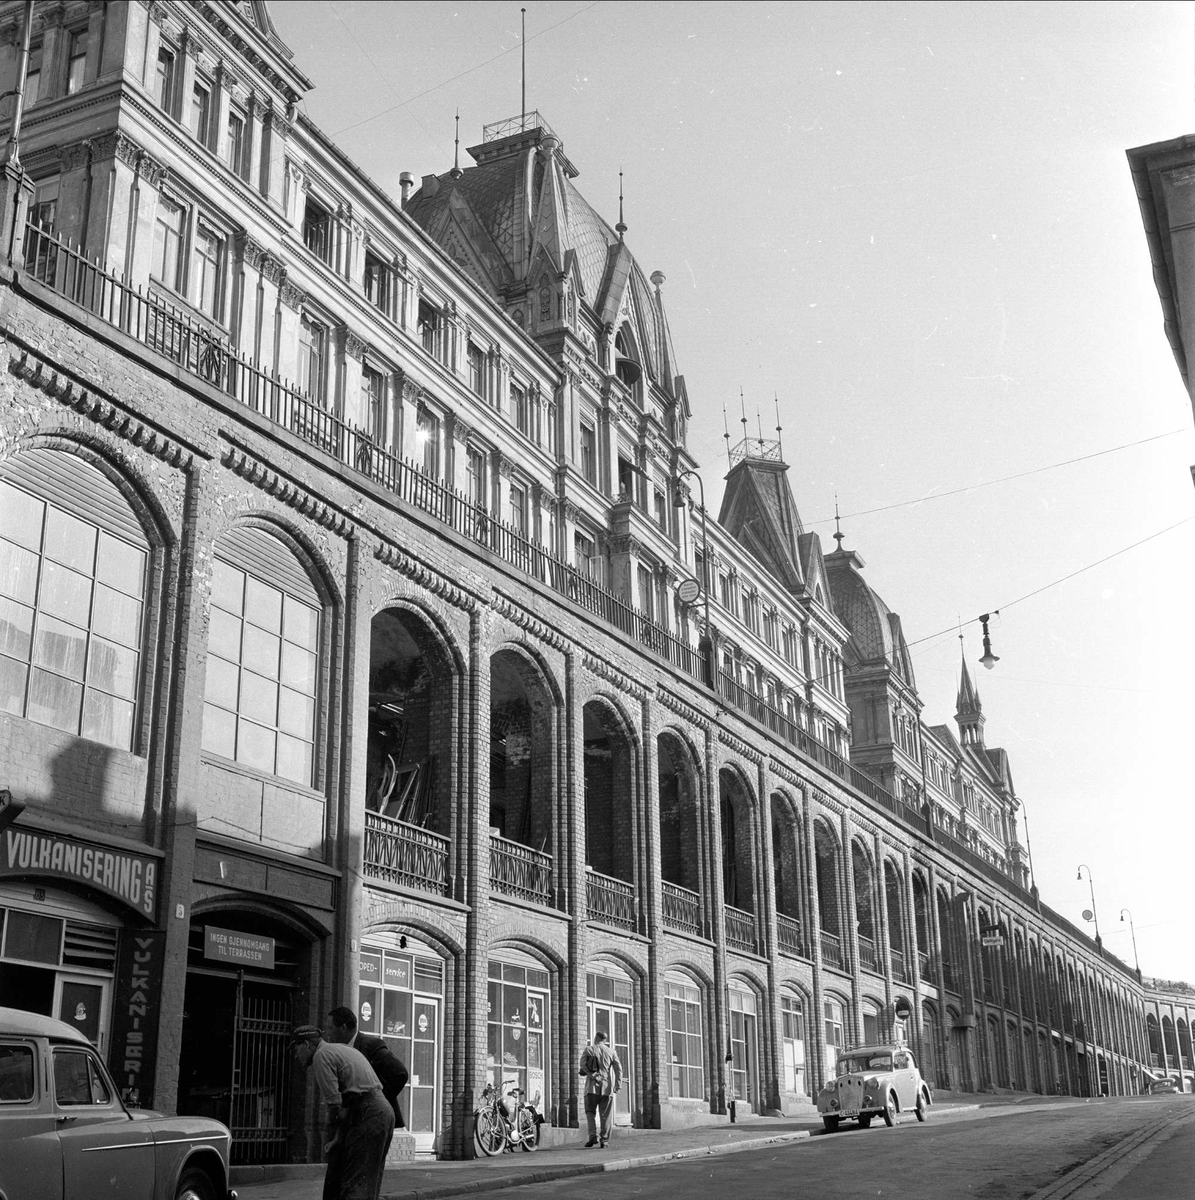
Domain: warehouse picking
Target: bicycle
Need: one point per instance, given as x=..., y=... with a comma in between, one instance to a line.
x=498, y=1130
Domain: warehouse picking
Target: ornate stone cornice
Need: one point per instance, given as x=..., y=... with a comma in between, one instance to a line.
x=253, y=470
x=251, y=253
x=116, y=144
x=461, y=431
x=102, y=410
x=153, y=172
x=739, y=747
x=291, y=295
x=626, y=543
x=421, y=574
x=74, y=157
x=685, y=711
x=612, y=675
x=273, y=270
x=354, y=346
x=515, y=613
x=504, y=465
x=571, y=511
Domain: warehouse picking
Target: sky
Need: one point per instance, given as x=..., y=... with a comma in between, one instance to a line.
x=910, y=229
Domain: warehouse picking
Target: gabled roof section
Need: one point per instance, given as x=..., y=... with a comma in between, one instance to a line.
x=759, y=512
x=817, y=582
x=1000, y=764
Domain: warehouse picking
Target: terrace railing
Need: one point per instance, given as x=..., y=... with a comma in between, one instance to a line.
x=405, y=854
x=788, y=934
x=831, y=948
x=201, y=351
x=740, y=929
x=900, y=969
x=517, y=870
x=867, y=954
x=682, y=908
x=610, y=901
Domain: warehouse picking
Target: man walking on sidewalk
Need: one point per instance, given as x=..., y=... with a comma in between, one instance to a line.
x=388, y=1067
x=603, y=1078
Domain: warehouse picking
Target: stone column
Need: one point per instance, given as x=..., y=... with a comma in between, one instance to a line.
x=815, y=1064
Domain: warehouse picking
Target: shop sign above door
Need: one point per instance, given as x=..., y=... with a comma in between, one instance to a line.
x=233, y=946
x=128, y=877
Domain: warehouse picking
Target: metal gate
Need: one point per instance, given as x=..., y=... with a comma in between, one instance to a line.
x=261, y=1070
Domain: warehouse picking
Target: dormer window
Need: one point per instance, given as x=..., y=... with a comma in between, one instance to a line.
x=317, y=230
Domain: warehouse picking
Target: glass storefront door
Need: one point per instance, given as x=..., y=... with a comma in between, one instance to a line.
x=744, y=1067
x=610, y=1008
x=518, y=1033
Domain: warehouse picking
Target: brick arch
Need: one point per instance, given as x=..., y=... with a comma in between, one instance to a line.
x=788, y=854
x=613, y=804
x=737, y=806
x=683, y=828
x=831, y=889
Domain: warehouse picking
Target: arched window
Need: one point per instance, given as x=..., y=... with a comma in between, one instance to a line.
x=792, y=1019
x=73, y=579
x=263, y=657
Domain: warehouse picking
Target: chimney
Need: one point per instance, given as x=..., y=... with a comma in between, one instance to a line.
x=406, y=181
x=430, y=185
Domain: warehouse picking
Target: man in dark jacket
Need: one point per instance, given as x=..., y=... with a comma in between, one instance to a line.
x=387, y=1065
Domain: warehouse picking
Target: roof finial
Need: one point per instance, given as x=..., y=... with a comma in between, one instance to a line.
x=779, y=431
x=725, y=429
x=743, y=410
x=456, y=157
x=621, y=227
x=838, y=534
x=523, y=101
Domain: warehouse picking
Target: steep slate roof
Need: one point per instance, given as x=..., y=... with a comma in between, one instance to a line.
x=759, y=512
x=876, y=633
x=968, y=701
x=519, y=208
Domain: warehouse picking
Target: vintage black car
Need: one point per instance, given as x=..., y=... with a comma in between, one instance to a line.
x=873, y=1081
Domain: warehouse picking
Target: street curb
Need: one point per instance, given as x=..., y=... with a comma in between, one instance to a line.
x=1089, y=1171
x=651, y=1160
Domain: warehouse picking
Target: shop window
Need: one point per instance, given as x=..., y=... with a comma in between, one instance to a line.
x=476, y=357
x=517, y=1030
x=72, y=601
x=76, y=62
x=167, y=264
x=682, y=1023
x=234, y=145
x=263, y=664
x=164, y=77
x=792, y=1034
x=400, y=999
x=317, y=230
x=377, y=282
x=835, y=1033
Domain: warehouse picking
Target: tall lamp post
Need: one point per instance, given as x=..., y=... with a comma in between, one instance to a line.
x=706, y=645
x=1094, y=914
x=1133, y=931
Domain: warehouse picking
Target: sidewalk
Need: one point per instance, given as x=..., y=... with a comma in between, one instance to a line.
x=428, y=1179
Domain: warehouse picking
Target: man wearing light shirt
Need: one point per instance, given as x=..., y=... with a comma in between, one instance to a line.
x=360, y=1122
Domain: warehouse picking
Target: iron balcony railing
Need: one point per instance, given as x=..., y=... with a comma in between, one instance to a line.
x=203, y=352
x=900, y=970
x=831, y=948
x=867, y=953
x=681, y=908
x=788, y=934
x=517, y=870
x=519, y=124
x=610, y=901
x=405, y=854
x=740, y=929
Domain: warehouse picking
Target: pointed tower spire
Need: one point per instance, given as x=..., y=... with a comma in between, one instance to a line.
x=838, y=534
x=968, y=707
x=621, y=227
x=456, y=157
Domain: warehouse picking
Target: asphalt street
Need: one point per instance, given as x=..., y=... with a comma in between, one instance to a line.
x=1138, y=1148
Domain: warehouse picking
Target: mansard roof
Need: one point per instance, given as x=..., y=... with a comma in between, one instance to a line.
x=876, y=633
x=520, y=213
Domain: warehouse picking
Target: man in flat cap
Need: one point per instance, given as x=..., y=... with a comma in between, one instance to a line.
x=360, y=1122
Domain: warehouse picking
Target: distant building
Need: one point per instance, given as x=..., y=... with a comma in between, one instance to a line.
x=363, y=638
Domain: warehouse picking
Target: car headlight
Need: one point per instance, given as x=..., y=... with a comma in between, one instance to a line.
x=833, y=1103
x=867, y=1098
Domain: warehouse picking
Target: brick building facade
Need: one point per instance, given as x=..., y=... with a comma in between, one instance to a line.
x=362, y=639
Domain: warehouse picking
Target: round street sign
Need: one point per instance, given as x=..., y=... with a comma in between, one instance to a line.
x=1088, y=915
x=688, y=590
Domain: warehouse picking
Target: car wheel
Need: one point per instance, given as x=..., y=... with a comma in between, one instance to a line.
x=831, y=1124
x=890, y=1110
x=528, y=1130
x=490, y=1132
x=194, y=1184
x=922, y=1107
x=865, y=1121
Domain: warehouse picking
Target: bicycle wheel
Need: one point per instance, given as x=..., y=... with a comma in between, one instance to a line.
x=528, y=1129
x=490, y=1130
